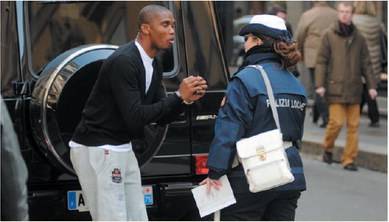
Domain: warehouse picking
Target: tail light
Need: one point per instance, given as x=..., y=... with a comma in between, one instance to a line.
x=201, y=164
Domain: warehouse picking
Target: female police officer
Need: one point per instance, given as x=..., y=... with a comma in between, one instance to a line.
x=245, y=112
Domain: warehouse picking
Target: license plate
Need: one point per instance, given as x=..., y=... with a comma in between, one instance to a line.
x=148, y=195
x=76, y=200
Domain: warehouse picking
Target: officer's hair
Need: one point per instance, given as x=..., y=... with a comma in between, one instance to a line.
x=288, y=52
x=147, y=13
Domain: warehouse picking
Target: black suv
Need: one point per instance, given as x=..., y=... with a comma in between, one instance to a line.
x=51, y=53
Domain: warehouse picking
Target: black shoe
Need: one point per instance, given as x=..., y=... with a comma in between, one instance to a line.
x=351, y=167
x=323, y=125
x=327, y=157
x=374, y=124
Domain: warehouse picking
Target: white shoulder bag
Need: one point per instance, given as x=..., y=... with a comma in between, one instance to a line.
x=263, y=156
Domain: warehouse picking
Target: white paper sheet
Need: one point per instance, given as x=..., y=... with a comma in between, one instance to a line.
x=208, y=203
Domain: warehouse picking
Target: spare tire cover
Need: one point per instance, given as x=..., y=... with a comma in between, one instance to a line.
x=59, y=96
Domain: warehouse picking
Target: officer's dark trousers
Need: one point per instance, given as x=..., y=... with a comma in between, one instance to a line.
x=266, y=205
x=372, y=107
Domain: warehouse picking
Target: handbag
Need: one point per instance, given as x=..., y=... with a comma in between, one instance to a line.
x=263, y=156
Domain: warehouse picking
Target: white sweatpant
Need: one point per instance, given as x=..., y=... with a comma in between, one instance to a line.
x=110, y=182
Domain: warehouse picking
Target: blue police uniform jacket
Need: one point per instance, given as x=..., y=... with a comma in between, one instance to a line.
x=247, y=112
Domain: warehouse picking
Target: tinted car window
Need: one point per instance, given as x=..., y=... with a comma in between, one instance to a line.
x=205, y=54
x=57, y=27
x=9, y=49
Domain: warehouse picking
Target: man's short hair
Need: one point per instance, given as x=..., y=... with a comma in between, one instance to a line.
x=347, y=4
x=147, y=13
x=275, y=10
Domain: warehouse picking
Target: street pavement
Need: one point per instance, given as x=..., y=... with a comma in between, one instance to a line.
x=372, y=141
x=336, y=194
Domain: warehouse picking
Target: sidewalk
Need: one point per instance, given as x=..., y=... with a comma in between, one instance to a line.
x=372, y=141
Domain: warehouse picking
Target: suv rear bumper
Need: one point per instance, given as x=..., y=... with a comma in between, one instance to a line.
x=172, y=201
x=175, y=202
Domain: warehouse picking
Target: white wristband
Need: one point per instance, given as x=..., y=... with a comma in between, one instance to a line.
x=185, y=102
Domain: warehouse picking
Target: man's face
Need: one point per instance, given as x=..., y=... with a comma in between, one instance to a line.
x=345, y=14
x=162, y=30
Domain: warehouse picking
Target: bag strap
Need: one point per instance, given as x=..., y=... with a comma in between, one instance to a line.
x=270, y=94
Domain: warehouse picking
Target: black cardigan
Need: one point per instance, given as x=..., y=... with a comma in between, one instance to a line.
x=118, y=108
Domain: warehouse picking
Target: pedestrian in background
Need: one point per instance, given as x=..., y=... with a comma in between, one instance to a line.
x=371, y=28
x=282, y=13
x=342, y=61
x=128, y=95
x=310, y=30
x=246, y=112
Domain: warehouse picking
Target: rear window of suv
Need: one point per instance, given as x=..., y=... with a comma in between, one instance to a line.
x=55, y=27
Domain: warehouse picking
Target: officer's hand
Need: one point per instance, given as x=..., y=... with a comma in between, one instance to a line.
x=192, y=88
x=321, y=90
x=216, y=184
x=373, y=93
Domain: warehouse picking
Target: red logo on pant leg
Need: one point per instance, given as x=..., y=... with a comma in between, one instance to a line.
x=116, y=175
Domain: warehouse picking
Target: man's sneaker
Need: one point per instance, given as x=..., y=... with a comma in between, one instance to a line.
x=327, y=157
x=351, y=167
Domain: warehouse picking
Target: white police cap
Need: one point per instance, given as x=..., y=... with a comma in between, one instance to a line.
x=267, y=25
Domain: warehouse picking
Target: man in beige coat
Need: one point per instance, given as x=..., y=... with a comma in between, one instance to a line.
x=310, y=29
x=343, y=59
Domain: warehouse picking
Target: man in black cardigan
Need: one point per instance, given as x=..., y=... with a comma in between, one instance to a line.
x=127, y=95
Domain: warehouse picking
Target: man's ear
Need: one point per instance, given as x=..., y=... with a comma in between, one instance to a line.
x=145, y=29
